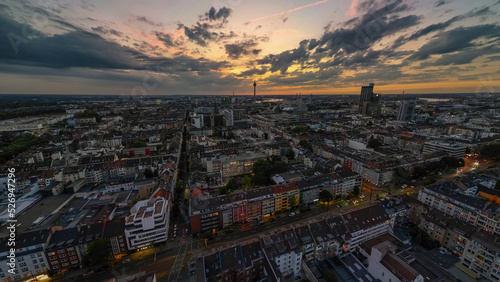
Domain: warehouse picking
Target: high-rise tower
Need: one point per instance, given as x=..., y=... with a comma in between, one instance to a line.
x=254, y=90
x=369, y=103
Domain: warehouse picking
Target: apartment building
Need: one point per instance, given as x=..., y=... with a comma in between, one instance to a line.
x=452, y=149
x=242, y=262
x=482, y=255
x=365, y=224
x=30, y=256
x=385, y=265
x=67, y=247
x=147, y=223
x=234, y=165
x=114, y=230
x=283, y=248
x=286, y=196
x=446, y=197
x=305, y=241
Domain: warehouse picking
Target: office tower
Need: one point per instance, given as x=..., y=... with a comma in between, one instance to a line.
x=369, y=103
x=406, y=110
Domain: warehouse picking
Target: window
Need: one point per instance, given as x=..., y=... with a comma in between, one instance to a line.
x=25, y=269
x=33, y=256
x=34, y=261
x=53, y=258
x=22, y=264
x=42, y=265
x=40, y=260
x=20, y=259
x=36, y=266
x=65, y=264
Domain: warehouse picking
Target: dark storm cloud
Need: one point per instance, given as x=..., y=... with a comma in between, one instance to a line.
x=199, y=33
x=148, y=21
x=82, y=49
x=440, y=3
x=214, y=15
x=455, y=40
x=166, y=38
x=203, y=32
x=239, y=49
x=104, y=30
x=440, y=26
x=281, y=62
x=252, y=72
x=464, y=57
x=356, y=36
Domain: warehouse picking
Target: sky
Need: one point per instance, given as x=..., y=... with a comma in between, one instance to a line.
x=130, y=47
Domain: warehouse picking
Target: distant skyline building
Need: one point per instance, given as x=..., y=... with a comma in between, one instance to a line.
x=254, y=90
x=406, y=110
x=369, y=103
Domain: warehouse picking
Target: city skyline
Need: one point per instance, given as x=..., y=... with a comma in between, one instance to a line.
x=287, y=47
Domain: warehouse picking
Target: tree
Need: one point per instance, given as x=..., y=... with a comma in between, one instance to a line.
x=373, y=143
x=292, y=202
x=179, y=187
x=98, y=251
x=355, y=191
x=305, y=144
x=246, y=182
x=301, y=129
x=148, y=173
x=138, y=144
x=232, y=185
x=223, y=190
x=325, y=196
x=330, y=276
x=491, y=150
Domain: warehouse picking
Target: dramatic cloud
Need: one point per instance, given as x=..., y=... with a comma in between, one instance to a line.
x=455, y=40
x=214, y=15
x=203, y=31
x=440, y=26
x=252, y=72
x=81, y=49
x=440, y=3
x=358, y=35
x=166, y=38
x=238, y=49
x=105, y=30
x=148, y=21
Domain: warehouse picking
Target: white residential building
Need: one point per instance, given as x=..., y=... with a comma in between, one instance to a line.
x=148, y=223
x=365, y=224
x=30, y=259
x=284, y=249
x=385, y=265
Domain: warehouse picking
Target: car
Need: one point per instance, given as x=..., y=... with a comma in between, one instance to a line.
x=338, y=206
x=291, y=214
x=115, y=264
x=260, y=223
x=127, y=260
x=88, y=273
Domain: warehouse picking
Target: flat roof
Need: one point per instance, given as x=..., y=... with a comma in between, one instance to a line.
x=44, y=207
